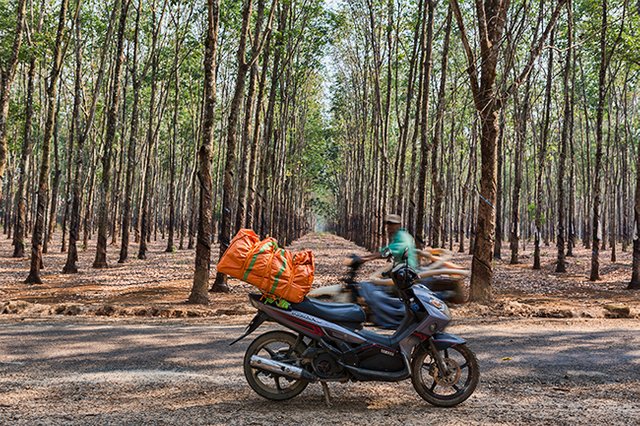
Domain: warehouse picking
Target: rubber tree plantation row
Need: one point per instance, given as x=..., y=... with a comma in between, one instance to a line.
x=493, y=127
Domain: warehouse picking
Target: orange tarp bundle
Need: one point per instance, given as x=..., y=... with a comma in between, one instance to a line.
x=272, y=269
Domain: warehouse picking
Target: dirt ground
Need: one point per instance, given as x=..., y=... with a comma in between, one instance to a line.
x=96, y=371
x=120, y=346
x=159, y=285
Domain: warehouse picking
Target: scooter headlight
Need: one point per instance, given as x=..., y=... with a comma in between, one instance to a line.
x=435, y=302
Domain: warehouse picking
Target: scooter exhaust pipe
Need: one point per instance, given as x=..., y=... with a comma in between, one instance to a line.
x=281, y=368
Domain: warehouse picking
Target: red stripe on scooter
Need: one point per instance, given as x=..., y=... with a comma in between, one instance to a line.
x=311, y=328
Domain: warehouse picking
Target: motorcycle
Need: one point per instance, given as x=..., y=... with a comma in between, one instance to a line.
x=325, y=342
x=376, y=295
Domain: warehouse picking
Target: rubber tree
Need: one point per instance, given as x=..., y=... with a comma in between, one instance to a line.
x=43, y=181
x=7, y=74
x=488, y=100
x=199, y=290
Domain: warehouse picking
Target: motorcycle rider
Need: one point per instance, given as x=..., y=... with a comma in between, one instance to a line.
x=399, y=241
x=383, y=302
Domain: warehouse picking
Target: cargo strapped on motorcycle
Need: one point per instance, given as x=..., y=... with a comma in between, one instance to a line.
x=262, y=263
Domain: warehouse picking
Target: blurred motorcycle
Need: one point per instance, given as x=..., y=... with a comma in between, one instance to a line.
x=377, y=296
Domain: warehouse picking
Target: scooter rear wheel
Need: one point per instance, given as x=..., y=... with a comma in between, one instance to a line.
x=278, y=346
x=445, y=390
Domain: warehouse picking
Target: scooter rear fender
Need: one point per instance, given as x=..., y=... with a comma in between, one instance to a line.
x=253, y=326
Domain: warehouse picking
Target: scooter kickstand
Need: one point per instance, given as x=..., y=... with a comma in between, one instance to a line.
x=327, y=395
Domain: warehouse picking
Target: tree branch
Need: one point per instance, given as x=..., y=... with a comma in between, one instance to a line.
x=255, y=55
x=471, y=60
x=485, y=43
x=535, y=52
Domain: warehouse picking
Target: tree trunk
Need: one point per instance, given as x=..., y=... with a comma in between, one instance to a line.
x=43, y=184
x=542, y=156
x=131, y=152
x=220, y=284
x=566, y=123
x=112, y=124
x=75, y=161
x=75, y=220
x=404, y=127
x=172, y=150
x=205, y=154
x=488, y=104
x=53, y=205
x=255, y=153
x=248, y=146
x=424, y=131
x=436, y=171
x=145, y=213
x=634, y=284
x=522, y=117
x=6, y=79
x=571, y=240
x=19, y=231
x=597, y=179
x=497, y=245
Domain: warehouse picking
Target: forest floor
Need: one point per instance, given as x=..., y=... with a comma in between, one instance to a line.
x=137, y=371
x=159, y=285
x=84, y=349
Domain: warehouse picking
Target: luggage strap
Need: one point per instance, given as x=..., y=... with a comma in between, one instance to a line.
x=254, y=258
x=279, y=274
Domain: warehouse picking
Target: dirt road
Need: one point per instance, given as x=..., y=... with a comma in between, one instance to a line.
x=98, y=371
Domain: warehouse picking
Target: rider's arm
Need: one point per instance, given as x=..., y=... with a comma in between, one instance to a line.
x=372, y=256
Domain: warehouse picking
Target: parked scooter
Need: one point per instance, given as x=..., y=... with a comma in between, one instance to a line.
x=325, y=343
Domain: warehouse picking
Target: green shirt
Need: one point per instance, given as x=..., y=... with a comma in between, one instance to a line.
x=402, y=240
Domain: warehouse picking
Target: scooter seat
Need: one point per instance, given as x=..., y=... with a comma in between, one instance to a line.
x=349, y=315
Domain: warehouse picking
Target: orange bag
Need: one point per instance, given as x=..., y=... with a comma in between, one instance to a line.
x=272, y=269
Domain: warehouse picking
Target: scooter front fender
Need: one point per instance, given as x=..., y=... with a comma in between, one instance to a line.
x=445, y=340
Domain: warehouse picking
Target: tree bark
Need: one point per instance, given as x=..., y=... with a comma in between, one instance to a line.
x=172, y=149
x=19, y=231
x=75, y=220
x=424, y=130
x=145, y=213
x=53, y=204
x=436, y=171
x=7, y=75
x=112, y=124
x=43, y=183
x=133, y=142
x=497, y=245
x=200, y=286
x=566, y=123
x=220, y=284
x=248, y=147
x=634, y=284
x=75, y=160
x=542, y=156
x=597, y=179
x=491, y=22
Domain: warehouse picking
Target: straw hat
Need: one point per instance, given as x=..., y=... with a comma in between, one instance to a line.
x=393, y=219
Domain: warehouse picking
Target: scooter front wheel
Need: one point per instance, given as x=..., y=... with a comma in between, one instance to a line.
x=445, y=388
x=277, y=346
